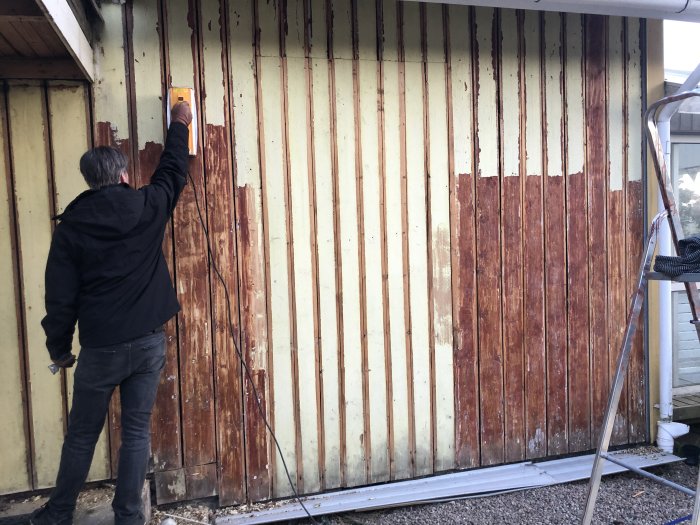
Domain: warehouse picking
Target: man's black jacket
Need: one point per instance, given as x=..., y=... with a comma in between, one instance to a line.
x=106, y=267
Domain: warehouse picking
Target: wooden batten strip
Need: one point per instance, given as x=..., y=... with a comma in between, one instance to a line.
x=595, y=29
x=511, y=100
x=15, y=441
x=488, y=245
x=555, y=238
x=533, y=243
x=579, y=412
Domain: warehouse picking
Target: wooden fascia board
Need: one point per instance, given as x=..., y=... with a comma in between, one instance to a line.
x=64, y=22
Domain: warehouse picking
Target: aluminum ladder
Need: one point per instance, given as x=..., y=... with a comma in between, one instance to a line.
x=645, y=275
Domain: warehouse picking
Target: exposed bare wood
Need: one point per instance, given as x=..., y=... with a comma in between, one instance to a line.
x=39, y=68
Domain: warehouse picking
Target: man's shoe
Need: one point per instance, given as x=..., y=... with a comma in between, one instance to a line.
x=43, y=516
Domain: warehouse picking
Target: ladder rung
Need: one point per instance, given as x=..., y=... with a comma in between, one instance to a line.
x=682, y=278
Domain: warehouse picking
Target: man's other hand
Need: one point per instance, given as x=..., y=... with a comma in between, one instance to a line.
x=65, y=361
x=181, y=113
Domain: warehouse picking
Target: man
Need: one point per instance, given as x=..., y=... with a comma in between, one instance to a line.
x=107, y=271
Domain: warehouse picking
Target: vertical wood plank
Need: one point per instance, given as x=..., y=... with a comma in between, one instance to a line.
x=616, y=256
x=274, y=169
x=634, y=224
x=15, y=460
x=298, y=121
x=533, y=245
x=463, y=231
x=512, y=228
x=325, y=246
x=488, y=245
x=439, y=249
x=251, y=246
x=221, y=217
x=28, y=136
x=67, y=107
x=370, y=192
x=417, y=237
x=348, y=234
x=111, y=128
x=194, y=323
x=146, y=75
x=555, y=236
x=579, y=407
x=401, y=431
x=597, y=170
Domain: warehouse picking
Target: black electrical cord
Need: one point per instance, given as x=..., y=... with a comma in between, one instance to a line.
x=240, y=354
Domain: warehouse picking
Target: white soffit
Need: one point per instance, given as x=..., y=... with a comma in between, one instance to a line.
x=686, y=10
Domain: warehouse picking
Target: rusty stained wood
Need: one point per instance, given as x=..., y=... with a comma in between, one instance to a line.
x=230, y=444
x=68, y=109
x=416, y=228
x=579, y=412
x=615, y=223
x=440, y=270
x=283, y=388
x=324, y=243
x=401, y=440
x=30, y=156
x=146, y=70
x=555, y=236
x=533, y=244
x=488, y=242
x=463, y=237
x=15, y=442
x=191, y=268
x=634, y=221
x=595, y=28
x=253, y=287
x=511, y=64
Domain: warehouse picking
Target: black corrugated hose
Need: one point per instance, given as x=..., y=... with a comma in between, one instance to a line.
x=687, y=262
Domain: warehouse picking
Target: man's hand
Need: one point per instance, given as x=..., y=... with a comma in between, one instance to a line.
x=65, y=361
x=181, y=113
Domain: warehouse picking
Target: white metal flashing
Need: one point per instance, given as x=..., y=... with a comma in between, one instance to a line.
x=480, y=482
x=62, y=19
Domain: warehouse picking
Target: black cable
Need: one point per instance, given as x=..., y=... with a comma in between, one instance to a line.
x=240, y=354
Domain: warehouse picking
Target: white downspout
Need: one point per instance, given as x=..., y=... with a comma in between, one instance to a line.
x=666, y=247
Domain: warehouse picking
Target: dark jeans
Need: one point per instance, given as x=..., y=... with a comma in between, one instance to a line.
x=135, y=367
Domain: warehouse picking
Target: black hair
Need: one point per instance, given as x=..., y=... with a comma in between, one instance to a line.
x=102, y=166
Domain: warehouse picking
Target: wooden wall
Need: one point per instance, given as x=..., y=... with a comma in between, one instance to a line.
x=428, y=219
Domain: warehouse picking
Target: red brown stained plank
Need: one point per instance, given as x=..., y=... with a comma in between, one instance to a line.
x=256, y=439
x=533, y=252
x=191, y=268
x=579, y=407
x=294, y=343
x=404, y=241
x=18, y=288
x=596, y=168
x=488, y=254
x=383, y=234
x=462, y=231
x=556, y=294
x=512, y=297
